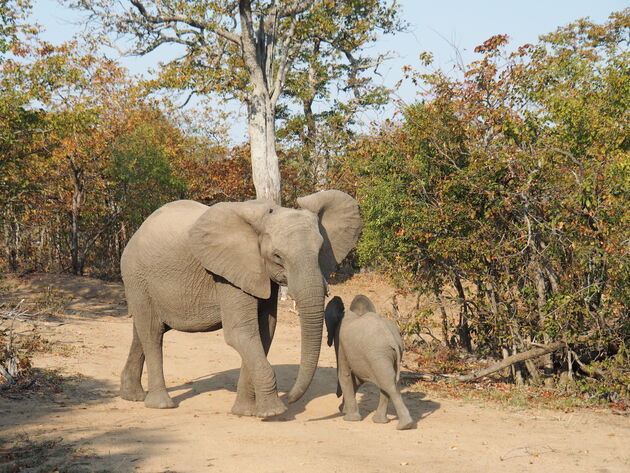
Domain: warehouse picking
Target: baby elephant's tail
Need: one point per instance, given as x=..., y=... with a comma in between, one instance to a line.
x=398, y=351
x=397, y=345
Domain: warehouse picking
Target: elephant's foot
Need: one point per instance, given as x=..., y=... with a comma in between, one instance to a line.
x=352, y=417
x=272, y=406
x=404, y=423
x=133, y=394
x=244, y=407
x=380, y=419
x=158, y=400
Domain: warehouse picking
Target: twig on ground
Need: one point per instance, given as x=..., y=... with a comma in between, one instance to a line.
x=527, y=451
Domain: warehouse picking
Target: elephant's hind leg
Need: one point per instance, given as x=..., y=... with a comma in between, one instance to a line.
x=130, y=385
x=404, y=418
x=385, y=375
x=151, y=333
x=380, y=416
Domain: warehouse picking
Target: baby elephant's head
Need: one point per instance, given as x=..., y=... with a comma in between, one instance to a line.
x=362, y=305
x=335, y=311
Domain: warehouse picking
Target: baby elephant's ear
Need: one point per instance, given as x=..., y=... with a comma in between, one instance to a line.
x=362, y=305
x=339, y=223
x=333, y=315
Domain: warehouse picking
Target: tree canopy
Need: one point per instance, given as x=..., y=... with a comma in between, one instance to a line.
x=249, y=50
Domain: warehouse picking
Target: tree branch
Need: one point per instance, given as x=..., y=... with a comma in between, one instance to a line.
x=172, y=18
x=287, y=54
x=510, y=360
x=587, y=369
x=248, y=42
x=300, y=6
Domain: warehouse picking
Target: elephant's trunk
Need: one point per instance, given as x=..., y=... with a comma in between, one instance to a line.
x=308, y=293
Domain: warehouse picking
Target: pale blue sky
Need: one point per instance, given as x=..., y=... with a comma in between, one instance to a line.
x=434, y=26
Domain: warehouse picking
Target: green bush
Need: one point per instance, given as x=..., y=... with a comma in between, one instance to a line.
x=508, y=187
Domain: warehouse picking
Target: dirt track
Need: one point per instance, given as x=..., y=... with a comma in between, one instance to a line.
x=200, y=435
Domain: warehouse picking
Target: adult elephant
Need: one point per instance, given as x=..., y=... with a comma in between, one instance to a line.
x=195, y=268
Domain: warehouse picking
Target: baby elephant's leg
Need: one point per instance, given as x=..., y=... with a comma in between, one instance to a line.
x=404, y=419
x=385, y=374
x=350, y=407
x=380, y=416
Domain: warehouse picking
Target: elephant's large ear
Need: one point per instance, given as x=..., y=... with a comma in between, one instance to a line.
x=339, y=223
x=225, y=241
x=332, y=316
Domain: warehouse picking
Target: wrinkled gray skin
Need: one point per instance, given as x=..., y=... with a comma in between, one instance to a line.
x=368, y=348
x=195, y=268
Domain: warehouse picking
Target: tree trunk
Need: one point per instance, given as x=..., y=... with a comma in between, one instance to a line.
x=77, y=201
x=74, y=237
x=541, y=291
x=463, y=329
x=262, y=136
x=445, y=335
x=317, y=160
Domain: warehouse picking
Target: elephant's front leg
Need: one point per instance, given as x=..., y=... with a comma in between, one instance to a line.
x=242, y=331
x=245, y=404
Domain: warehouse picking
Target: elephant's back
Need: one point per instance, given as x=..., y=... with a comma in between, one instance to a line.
x=370, y=329
x=157, y=265
x=171, y=219
x=162, y=237
x=367, y=340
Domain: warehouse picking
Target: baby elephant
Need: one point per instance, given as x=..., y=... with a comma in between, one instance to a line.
x=368, y=348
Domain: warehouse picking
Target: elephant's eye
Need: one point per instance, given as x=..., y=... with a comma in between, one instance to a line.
x=277, y=257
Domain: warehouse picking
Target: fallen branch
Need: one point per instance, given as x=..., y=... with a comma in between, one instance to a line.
x=425, y=376
x=510, y=360
x=590, y=371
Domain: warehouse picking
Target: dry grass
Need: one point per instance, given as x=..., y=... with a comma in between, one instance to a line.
x=521, y=397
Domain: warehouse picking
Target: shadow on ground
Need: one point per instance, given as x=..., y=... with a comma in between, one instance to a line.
x=324, y=383
x=45, y=452
x=32, y=441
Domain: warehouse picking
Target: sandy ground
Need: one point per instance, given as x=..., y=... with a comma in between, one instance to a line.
x=200, y=435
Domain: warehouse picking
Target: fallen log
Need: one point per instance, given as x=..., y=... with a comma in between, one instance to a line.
x=425, y=376
x=510, y=360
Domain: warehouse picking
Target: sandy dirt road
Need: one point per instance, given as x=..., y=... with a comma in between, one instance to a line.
x=201, y=436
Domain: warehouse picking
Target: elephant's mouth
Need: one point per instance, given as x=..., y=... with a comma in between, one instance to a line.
x=279, y=277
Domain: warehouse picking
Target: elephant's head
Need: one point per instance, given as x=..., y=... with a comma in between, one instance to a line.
x=253, y=243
